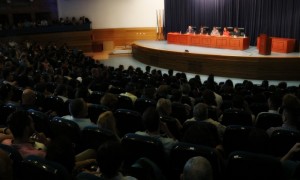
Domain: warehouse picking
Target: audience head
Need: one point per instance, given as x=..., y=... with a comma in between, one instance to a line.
x=200, y=112
x=110, y=100
x=20, y=124
x=164, y=106
x=151, y=119
x=291, y=110
x=197, y=168
x=185, y=88
x=110, y=157
x=274, y=101
x=209, y=98
x=107, y=121
x=61, y=90
x=78, y=108
x=28, y=97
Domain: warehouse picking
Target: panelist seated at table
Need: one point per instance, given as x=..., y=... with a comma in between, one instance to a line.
x=226, y=32
x=215, y=32
x=236, y=32
x=203, y=31
x=190, y=30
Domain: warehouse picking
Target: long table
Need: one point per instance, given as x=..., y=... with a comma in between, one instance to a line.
x=235, y=43
x=281, y=45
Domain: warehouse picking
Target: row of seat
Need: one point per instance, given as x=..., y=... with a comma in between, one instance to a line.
x=239, y=164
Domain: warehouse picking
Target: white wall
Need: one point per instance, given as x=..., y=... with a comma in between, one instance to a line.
x=113, y=13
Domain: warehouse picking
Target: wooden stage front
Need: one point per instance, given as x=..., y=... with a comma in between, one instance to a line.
x=245, y=64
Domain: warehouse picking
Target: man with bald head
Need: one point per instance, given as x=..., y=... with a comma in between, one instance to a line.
x=28, y=100
x=197, y=168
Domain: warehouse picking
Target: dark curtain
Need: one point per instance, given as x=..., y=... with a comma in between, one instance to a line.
x=278, y=18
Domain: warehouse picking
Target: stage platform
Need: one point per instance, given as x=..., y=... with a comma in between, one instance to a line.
x=245, y=64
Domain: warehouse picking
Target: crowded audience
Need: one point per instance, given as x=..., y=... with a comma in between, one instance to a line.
x=31, y=72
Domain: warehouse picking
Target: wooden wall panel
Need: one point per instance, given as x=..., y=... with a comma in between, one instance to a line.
x=123, y=36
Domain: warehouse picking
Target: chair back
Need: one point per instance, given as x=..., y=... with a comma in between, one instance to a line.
x=124, y=102
x=95, y=97
x=63, y=127
x=236, y=117
x=54, y=103
x=128, y=121
x=137, y=146
x=249, y=166
x=15, y=157
x=146, y=169
x=182, y=152
x=5, y=111
x=236, y=138
x=93, y=137
x=141, y=104
x=281, y=141
x=266, y=120
x=36, y=168
x=41, y=121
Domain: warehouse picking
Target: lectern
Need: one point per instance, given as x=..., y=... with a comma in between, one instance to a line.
x=264, y=46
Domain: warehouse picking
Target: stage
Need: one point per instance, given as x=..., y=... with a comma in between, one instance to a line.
x=245, y=64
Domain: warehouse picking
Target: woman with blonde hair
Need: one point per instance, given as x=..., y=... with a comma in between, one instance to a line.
x=106, y=120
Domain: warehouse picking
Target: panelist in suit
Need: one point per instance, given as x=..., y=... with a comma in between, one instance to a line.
x=215, y=32
x=190, y=30
x=236, y=32
x=226, y=32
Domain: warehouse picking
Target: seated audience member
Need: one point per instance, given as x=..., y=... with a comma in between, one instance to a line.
x=164, y=108
x=62, y=92
x=209, y=99
x=289, y=155
x=5, y=133
x=290, y=114
x=61, y=150
x=236, y=32
x=200, y=114
x=79, y=113
x=215, y=32
x=26, y=140
x=130, y=91
x=211, y=85
x=274, y=103
x=226, y=32
x=107, y=121
x=28, y=100
x=110, y=157
x=197, y=168
x=110, y=100
x=238, y=103
x=190, y=30
x=154, y=126
x=6, y=166
x=8, y=77
x=186, y=98
x=6, y=94
x=203, y=31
